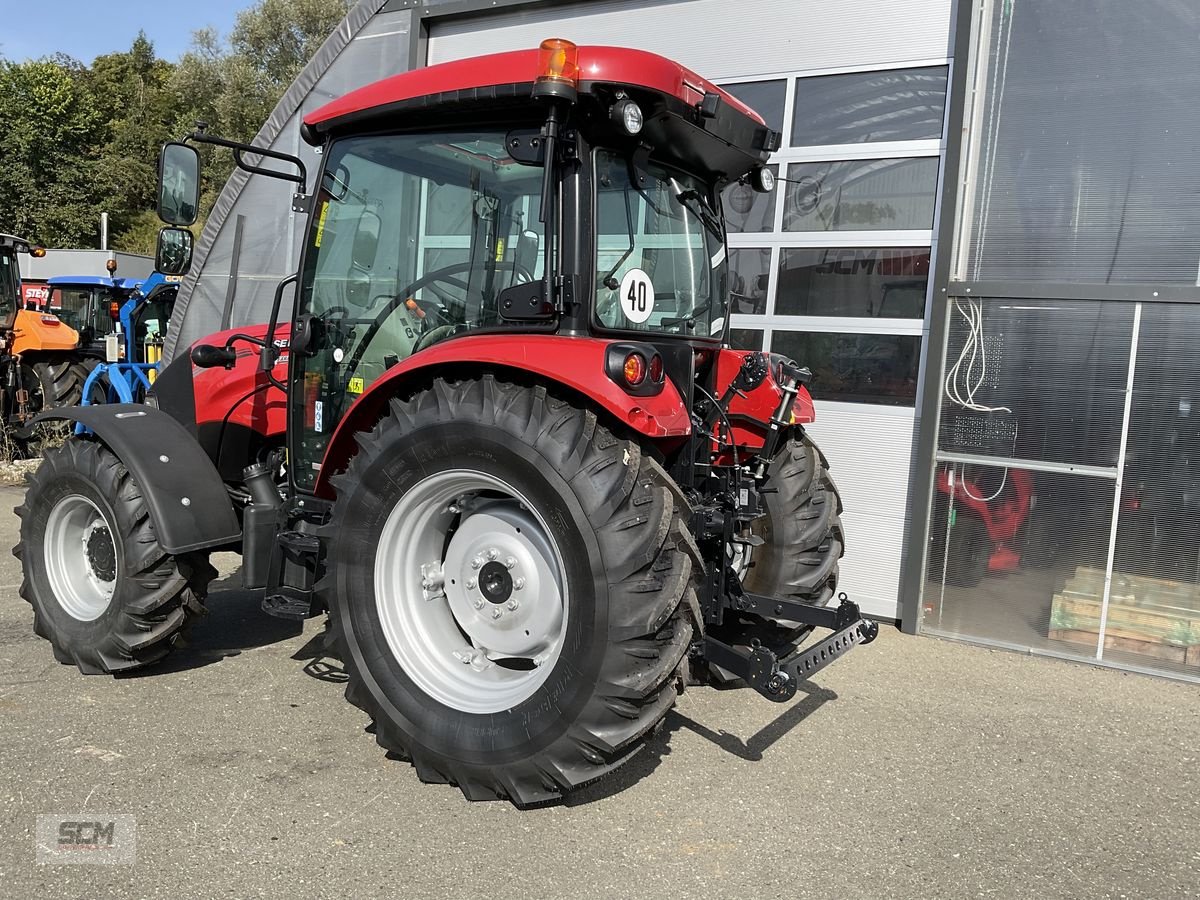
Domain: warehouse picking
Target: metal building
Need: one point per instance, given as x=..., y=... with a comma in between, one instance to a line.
x=985, y=243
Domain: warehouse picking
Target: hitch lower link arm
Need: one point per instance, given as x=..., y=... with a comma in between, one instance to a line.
x=778, y=679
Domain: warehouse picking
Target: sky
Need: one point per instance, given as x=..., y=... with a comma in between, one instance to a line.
x=86, y=29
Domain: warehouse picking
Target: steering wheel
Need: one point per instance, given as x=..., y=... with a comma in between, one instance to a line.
x=441, y=330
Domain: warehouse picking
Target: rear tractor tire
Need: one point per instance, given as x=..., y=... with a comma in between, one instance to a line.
x=104, y=592
x=511, y=587
x=51, y=383
x=802, y=542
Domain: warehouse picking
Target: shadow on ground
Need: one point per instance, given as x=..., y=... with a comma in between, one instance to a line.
x=235, y=622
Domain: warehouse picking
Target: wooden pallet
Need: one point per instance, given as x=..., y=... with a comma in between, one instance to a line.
x=1155, y=617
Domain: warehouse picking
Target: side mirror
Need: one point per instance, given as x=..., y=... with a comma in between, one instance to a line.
x=525, y=256
x=174, y=253
x=366, y=240
x=178, y=184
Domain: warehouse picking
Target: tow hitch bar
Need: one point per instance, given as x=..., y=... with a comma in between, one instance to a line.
x=777, y=679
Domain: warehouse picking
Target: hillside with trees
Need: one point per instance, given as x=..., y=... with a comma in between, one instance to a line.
x=77, y=140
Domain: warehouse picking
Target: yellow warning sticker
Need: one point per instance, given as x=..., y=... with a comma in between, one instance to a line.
x=356, y=386
x=500, y=250
x=321, y=224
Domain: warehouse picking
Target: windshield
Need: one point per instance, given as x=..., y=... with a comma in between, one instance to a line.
x=412, y=239
x=660, y=253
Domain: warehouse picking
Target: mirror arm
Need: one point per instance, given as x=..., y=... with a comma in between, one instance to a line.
x=300, y=177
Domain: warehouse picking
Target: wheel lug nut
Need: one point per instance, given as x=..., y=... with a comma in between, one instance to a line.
x=471, y=582
x=519, y=583
x=478, y=604
x=477, y=562
x=513, y=604
x=496, y=613
x=493, y=553
x=509, y=562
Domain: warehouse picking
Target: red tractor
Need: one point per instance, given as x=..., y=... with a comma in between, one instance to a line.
x=499, y=440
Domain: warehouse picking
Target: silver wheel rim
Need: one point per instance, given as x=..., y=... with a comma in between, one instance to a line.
x=81, y=558
x=471, y=591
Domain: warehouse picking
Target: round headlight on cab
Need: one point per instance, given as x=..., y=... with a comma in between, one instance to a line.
x=628, y=115
x=762, y=180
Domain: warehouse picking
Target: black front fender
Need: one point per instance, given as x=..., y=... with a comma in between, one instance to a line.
x=188, y=503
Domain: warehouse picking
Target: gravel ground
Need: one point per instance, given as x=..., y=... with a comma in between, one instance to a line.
x=913, y=768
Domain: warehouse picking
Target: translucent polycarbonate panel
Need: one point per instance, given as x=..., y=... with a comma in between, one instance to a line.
x=1018, y=557
x=764, y=97
x=871, y=282
x=859, y=107
x=748, y=211
x=746, y=338
x=861, y=195
x=749, y=280
x=1083, y=166
x=856, y=368
x=1047, y=379
x=1154, y=614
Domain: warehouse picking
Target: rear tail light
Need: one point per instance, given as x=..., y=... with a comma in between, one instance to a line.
x=114, y=310
x=635, y=369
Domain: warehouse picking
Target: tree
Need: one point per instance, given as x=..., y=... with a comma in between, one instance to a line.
x=49, y=123
x=79, y=140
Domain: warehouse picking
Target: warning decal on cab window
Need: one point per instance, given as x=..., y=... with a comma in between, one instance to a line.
x=637, y=296
x=321, y=224
x=355, y=386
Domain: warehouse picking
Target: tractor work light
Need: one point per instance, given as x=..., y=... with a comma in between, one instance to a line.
x=558, y=69
x=628, y=115
x=762, y=180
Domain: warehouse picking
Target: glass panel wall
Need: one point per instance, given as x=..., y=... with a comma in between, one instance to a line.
x=1065, y=513
x=832, y=266
x=1065, y=497
x=1086, y=168
x=858, y=107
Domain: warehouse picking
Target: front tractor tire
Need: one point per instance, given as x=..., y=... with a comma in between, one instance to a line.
x=511, y=587
x=104, y=592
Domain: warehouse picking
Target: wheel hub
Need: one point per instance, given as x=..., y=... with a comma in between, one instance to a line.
x=495, y=583
x=81, y=558
x=101, y=555
x=506, y=595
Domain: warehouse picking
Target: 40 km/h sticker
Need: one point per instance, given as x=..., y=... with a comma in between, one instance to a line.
x=637, y=296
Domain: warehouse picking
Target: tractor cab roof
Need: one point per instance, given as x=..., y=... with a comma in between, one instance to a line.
x=16, y=243
x=124, y=284
x=727, y=137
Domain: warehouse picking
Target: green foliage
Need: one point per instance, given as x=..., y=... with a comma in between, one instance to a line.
x=79, y=140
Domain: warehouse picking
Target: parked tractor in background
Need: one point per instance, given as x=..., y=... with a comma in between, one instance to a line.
x=498, y=437
x=40, y=366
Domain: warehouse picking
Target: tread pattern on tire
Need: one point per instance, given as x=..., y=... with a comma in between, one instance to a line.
x=804, y=559
x=159, y=596
x=653, y=567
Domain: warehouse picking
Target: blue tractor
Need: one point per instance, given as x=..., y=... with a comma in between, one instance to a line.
x=122, y=324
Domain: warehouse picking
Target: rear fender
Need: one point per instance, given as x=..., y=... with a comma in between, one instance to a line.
x=35, y=331
x=575, y=364
x=186, y=497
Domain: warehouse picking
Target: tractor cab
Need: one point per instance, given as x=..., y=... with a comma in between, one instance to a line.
x=91, y=304
x=556, y=191
x=10, y=275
